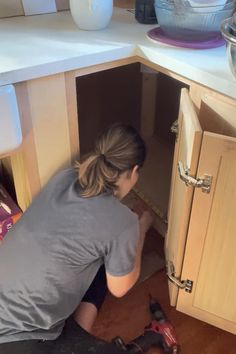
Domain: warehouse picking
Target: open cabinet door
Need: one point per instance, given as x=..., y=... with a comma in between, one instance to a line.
x=210, y=260
x=187, y=148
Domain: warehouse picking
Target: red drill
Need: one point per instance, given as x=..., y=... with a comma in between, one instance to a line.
x=159, y=333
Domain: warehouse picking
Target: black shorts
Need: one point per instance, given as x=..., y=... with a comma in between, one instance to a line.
x=96, y=293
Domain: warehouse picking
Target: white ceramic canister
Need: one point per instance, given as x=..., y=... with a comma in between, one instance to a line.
x=91, y=14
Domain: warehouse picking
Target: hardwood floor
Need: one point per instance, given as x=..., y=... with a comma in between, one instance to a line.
x=128, y=316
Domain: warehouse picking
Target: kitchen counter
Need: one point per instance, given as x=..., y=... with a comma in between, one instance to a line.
x=36, y=46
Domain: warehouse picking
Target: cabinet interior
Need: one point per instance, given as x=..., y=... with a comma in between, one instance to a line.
x=217, y=116
x=147, y=100
x=6, y=176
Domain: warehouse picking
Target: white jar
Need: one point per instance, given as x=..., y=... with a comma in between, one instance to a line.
x=91, y=14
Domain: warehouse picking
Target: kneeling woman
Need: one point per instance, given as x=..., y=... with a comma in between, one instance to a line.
x=75, y=240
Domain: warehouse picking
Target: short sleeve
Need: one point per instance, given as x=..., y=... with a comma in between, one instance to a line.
x=121, y=252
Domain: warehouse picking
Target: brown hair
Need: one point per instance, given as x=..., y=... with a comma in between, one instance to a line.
x=118, y=150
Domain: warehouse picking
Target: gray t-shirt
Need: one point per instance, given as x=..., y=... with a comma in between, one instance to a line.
x=49, y=259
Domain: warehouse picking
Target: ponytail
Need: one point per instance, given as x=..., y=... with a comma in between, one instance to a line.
x=118, y=150
x=95, y=176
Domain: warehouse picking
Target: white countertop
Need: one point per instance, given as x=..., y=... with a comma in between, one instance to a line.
x=41, y=45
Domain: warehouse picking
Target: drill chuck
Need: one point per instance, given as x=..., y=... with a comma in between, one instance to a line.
x=156, y=311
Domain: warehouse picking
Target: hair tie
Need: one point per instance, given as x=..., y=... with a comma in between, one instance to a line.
x=103, y=156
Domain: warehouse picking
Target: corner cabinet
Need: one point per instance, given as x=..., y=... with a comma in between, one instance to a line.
x=200, y=242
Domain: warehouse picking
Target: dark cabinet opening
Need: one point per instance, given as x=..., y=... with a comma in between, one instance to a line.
x=130, y=94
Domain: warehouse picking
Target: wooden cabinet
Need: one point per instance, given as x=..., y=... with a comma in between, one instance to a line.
x=200, y=242
x=49, y=124
x=187, y=148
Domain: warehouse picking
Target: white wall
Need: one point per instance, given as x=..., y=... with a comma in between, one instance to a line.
x=9, y=8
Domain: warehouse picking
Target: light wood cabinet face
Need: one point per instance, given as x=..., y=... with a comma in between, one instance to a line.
x=209, y=259
x=210, y=252
x=50, y=133
x=187, y=151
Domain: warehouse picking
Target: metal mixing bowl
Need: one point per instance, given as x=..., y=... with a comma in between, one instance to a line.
x=180, y=20
x=228, y=30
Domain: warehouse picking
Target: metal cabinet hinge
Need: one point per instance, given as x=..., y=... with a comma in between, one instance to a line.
x=175, y=128
x=187, y=285
x=201, y=182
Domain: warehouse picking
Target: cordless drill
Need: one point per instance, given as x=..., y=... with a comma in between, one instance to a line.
x=159, y=333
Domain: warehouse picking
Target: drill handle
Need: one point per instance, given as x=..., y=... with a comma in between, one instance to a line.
x=144, y=342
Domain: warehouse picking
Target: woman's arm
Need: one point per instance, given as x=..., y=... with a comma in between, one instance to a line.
x=120, y=285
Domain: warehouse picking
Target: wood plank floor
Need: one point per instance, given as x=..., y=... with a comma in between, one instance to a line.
x=127, y=317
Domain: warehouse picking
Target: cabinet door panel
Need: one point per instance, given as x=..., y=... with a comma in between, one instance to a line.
x=187, y=151
x=210, y=260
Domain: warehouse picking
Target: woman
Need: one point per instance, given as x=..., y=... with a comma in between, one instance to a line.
x=75, y=240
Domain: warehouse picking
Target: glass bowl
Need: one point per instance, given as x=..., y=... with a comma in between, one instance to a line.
x=228, y=29
x=179, y=19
